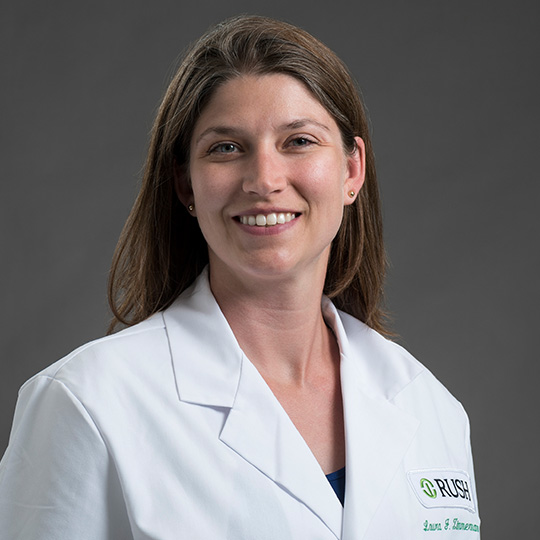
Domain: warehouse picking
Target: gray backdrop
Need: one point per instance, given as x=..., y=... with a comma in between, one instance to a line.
x=452, y=90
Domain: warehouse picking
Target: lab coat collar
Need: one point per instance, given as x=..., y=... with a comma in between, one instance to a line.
x=206, y=357
x=377, y=432
x=211, y=369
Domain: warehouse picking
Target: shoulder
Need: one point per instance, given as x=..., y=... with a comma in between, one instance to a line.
x=109, y=359
x=136, y=364
x=395, y=372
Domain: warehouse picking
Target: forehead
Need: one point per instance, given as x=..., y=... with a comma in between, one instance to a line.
x=262, y=101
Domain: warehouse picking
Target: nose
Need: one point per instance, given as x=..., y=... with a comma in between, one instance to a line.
x=265, y=173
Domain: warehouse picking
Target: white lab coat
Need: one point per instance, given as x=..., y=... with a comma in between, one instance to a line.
x=166, y=431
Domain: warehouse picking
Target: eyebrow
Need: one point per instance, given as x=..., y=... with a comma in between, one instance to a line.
x=230, y=130
x=218, y=130
x=301, y=122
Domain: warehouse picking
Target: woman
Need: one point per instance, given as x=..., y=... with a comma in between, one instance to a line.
x=237, y=404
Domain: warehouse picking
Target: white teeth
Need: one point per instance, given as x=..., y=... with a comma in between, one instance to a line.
x=269, y=220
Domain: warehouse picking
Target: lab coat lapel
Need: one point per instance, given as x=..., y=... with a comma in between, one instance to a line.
x=260, y=430
x=210, y=369
x=377, y=436
x=206, y=357
x=377, y=432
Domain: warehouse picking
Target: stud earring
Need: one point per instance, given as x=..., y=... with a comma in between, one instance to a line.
x=351, y=194
x=190, y=207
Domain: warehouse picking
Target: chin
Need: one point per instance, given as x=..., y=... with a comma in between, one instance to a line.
x=272, y=264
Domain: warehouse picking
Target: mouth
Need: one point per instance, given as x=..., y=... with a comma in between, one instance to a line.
x=267, y=220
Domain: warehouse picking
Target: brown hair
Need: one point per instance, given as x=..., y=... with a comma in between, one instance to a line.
x=162, y=250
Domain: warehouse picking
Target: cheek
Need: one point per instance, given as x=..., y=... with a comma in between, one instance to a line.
x=210, y=189
x=324, y=182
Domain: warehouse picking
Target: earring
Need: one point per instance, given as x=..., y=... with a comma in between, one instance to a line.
x=351, y=194
x=190, y=207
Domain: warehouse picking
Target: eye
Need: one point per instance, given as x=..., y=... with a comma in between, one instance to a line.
x=301, y=141
x=223, y=148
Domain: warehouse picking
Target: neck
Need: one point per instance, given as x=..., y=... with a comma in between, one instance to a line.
x=278, y=324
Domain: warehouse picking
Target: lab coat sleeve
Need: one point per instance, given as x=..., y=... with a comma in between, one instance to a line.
x=57, y=481
x=468, y=450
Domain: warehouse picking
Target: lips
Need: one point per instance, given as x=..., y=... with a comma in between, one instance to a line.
x=267, y=220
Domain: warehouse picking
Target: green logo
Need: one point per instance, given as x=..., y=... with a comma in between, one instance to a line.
x=427, y=488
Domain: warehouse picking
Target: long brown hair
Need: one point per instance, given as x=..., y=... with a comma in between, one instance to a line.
x=162, y=250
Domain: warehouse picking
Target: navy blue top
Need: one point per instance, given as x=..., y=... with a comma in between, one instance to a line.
x=337, y=481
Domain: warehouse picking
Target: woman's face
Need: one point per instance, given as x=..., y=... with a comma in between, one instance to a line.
x=269, y=178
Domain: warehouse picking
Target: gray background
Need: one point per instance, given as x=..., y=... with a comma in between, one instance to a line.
x=453, y=92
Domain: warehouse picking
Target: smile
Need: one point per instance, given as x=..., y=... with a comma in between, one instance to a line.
x=267, y=220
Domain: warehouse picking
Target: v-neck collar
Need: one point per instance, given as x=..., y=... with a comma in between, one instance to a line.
x=211, y=369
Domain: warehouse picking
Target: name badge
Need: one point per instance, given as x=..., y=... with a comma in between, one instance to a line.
x=442, y=488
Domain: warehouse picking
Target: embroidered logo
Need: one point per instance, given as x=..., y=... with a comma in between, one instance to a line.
x=442, y=488
x=427, y=488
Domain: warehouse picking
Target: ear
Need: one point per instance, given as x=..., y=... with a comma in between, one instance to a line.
x=182, y=186
x=356, y=172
